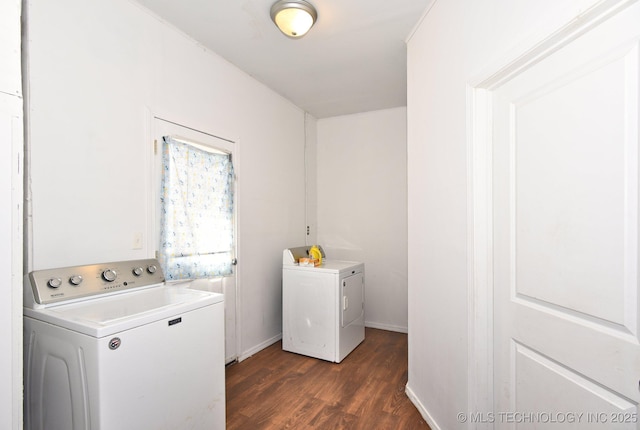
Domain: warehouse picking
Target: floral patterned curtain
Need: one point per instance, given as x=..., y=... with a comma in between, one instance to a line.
x=197, y=222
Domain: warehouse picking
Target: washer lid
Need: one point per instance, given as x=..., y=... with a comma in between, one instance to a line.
x=105, y=316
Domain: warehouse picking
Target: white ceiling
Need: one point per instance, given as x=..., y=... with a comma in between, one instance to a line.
x=352, y=60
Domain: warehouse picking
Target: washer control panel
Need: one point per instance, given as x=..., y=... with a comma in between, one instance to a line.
x=68, y=283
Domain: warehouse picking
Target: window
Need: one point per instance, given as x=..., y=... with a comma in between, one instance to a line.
x=196, y=216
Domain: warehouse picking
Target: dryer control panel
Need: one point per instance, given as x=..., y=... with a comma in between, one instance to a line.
x=290, y=256
x=67, y=284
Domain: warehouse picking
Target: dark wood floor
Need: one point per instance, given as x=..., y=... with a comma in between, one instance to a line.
x=275, y=389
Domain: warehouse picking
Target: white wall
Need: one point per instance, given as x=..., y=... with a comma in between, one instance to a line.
x=97, y=71
x=311, y=179
x=457, y=43
x=11, y=186
x=362, y=205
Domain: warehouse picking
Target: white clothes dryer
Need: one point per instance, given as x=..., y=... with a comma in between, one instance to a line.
x=112, y=347
x=322, y=307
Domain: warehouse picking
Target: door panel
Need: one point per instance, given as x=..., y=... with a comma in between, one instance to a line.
x=569, y=173
x=569, y=393
x=565, y=205
x=226, y=284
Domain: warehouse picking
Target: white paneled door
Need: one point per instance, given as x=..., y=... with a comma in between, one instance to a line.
x=227, y=285
x=565, y=232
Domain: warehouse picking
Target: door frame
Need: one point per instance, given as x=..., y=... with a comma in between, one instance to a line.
x=480, y=200
x=152, y=115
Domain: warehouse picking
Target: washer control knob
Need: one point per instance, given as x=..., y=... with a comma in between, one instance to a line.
x=138, y=271
x=75, y=280
x=109, y=275
x=54, y=282
x=152, y=269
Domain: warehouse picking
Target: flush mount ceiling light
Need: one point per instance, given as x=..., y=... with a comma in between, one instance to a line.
x=294, y=17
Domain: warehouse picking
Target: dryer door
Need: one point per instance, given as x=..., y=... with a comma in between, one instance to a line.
x=352, y=293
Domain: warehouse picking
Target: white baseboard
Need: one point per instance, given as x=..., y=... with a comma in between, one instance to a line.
x=387, y=327
x=259, y=347
x=421, y=408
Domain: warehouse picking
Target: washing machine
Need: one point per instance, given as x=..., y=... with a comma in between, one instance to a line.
x=113, y=347
x=322, y=306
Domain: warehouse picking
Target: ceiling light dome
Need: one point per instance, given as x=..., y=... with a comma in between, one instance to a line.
x=294, y=17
